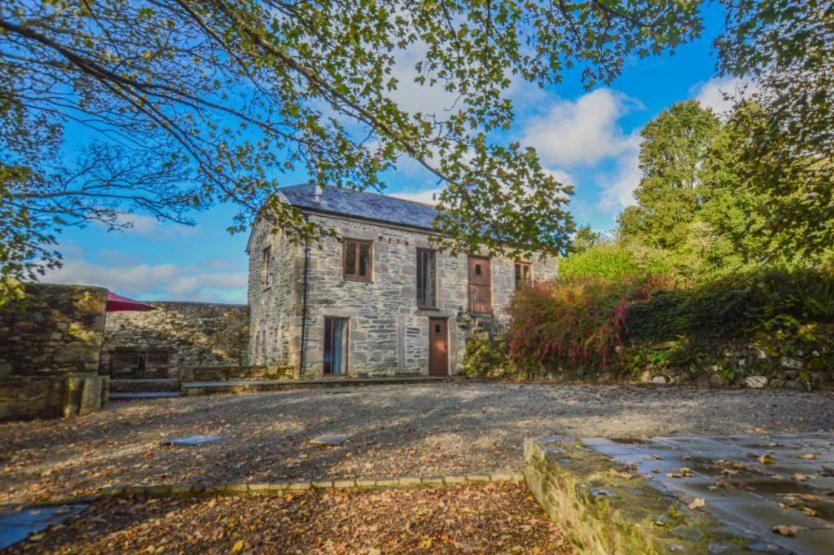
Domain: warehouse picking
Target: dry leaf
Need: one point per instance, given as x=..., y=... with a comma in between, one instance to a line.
x=697, y=503
x=801, y=477
x=788, y=530
x=808, y=456
x=766, y=459
x=238, y=546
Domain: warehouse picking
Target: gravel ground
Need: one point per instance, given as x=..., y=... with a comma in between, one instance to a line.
x=396, y=430
x=487, y=519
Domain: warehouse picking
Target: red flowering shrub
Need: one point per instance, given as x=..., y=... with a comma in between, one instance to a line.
x=574, y=323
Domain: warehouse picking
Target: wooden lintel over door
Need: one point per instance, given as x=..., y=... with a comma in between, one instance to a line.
x=480, y=284
x=438, y=347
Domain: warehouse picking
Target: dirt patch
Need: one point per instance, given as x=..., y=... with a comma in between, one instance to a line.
x=393, y=431
x=491, y=518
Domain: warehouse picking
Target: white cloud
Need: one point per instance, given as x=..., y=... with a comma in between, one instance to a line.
x=619, y=186
x=412, y=96
x=155, y=282
x=426, y=196
x=582, y=131
x=720, y=93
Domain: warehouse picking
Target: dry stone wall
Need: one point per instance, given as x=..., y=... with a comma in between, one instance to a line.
x=197, y=334
x=49, y=352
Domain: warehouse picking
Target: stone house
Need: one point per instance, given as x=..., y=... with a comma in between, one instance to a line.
x=379, y=302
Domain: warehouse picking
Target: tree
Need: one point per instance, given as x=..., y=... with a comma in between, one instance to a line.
x=584, y=239
x=221, y=99
x=674, y=147
x=785, y=135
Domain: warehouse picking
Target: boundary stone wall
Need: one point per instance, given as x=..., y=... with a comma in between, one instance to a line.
x=198, y=335
x=50, y=348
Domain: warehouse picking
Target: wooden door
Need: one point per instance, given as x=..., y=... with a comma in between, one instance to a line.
x=438, y=347
x=480, y=284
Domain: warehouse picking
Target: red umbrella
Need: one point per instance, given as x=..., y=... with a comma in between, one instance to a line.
x=117, y=303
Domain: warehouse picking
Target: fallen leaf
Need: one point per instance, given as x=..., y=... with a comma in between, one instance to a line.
x=697, y=503
x=801, y=477
x=238, y=546
x=766, y=459
x=788, y=530
x=808, y=456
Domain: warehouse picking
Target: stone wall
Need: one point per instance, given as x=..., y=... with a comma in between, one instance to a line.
x=388, y=332
x=49, y=352
x=197, y=334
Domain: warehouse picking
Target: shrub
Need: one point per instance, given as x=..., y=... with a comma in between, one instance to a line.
x=736, y=306
x=605, y=261
x=574, y=323
x=487, y=356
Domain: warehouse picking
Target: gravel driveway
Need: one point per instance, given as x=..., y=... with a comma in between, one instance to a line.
x=395, y=430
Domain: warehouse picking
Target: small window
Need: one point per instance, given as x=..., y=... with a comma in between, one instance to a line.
x=358, y=260
x=478, y=269
x=266, y=274
x=426, y=278
x=335, y=346
x=523, y=275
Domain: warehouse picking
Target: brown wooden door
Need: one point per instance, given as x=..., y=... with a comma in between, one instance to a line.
x=480, y=284
x=438, y=347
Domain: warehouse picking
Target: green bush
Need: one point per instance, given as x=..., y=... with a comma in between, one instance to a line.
x=487, y=356
x=605, y=261
x=735, y=306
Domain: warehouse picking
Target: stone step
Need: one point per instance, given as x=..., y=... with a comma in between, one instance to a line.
x=130, y=395
x=127, y=385
x=252, y=386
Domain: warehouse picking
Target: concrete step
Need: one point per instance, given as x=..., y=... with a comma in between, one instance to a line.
x=252, y=386
x=128, y=385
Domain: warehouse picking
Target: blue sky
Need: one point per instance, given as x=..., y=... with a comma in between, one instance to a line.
x=590, y=138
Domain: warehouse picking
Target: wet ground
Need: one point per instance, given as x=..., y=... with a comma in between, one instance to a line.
x=778, y=487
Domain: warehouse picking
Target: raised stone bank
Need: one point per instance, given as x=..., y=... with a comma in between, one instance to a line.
x=733, y=494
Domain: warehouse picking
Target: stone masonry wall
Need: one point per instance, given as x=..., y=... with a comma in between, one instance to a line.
x=198, y=334
x=275, y=309
x=49, y=352
x=388, y=333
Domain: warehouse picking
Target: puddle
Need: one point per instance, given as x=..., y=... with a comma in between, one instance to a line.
x=191, y=441
x=629, y=440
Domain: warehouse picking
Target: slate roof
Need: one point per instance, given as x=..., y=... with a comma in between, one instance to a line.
x=361, y=204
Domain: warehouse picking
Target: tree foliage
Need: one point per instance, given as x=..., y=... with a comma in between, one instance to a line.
x=219, y=100
x=787, y=138
x=673, y=149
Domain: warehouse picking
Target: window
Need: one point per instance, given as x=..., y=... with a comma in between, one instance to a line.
x=523, y=275
x=266, y=275
x=335, y=346
x=426, y=278
x=358, y=260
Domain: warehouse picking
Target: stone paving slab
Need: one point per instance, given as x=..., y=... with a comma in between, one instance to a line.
x=757, y=484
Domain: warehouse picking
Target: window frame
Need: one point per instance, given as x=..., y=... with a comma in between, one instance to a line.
x=356, y=244
x=522, y=264
x=420, y=298
x=266, y=263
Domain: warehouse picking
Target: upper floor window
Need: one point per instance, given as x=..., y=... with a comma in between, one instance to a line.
x=266, y=274
x=358, y=259
x=523, y=274
x=426, y=278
